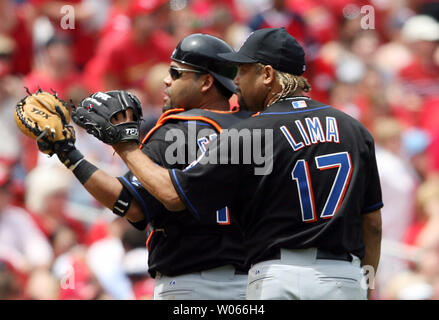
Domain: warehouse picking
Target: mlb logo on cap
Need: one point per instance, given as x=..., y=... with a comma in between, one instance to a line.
x=299, y=104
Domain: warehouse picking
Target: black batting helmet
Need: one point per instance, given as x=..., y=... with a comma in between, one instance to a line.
x=201, y=51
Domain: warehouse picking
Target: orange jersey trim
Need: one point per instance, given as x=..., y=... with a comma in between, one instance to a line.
x=148, y=240
x=199, y=118
x=233, y=110
x=159, y=123
x=169, y=115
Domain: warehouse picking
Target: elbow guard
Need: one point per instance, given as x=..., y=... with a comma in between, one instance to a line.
x=123, y=202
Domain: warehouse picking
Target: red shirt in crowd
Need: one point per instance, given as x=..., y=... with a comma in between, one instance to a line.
x=433, y=150
x=40, y=79
x=118, y=22
x=422, y=81
x=421, y=78
x=321, y=76
x=128, y=61
x=23, y=54
x=293, y=23
x=76, y=226
x=205, y=8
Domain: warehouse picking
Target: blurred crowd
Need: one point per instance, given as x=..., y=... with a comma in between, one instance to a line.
x=376, y=60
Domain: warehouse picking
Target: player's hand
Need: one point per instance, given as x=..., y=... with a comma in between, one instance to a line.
x=122, y=116
x=119, y=118
x=112, y=117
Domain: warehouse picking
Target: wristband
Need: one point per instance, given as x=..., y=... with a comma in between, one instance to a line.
x=70, y=158
x=74, y=160
x=83, y=170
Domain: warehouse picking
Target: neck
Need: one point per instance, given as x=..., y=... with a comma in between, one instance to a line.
x=272, y=96
x=216, y=105
x=214, y=101
x=270, y=100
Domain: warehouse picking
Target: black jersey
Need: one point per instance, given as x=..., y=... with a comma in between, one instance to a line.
x=177, y=242
x=323, y=177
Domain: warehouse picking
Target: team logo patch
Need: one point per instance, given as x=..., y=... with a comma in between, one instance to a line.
x=135, y=182
x=299, y=104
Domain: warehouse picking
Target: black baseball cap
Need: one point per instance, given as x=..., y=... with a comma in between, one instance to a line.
x=271, y=46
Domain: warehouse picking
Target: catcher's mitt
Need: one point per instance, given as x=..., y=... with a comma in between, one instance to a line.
x=44, y=117
x=95, y=113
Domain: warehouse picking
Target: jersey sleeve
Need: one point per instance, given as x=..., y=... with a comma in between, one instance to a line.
x=373, y=197
x=169, y=148
x=212, y=181
x=148, y=204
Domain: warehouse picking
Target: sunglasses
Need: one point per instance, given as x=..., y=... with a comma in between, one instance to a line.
x=176, y=72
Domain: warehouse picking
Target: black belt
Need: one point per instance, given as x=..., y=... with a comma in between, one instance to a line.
x=240, y=272
x=175, y=231
x=323, y=254
x=237, y=271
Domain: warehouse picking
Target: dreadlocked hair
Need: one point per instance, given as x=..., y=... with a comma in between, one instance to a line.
x=290, y=84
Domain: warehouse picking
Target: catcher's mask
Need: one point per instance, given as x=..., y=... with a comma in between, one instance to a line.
x=201, y=51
